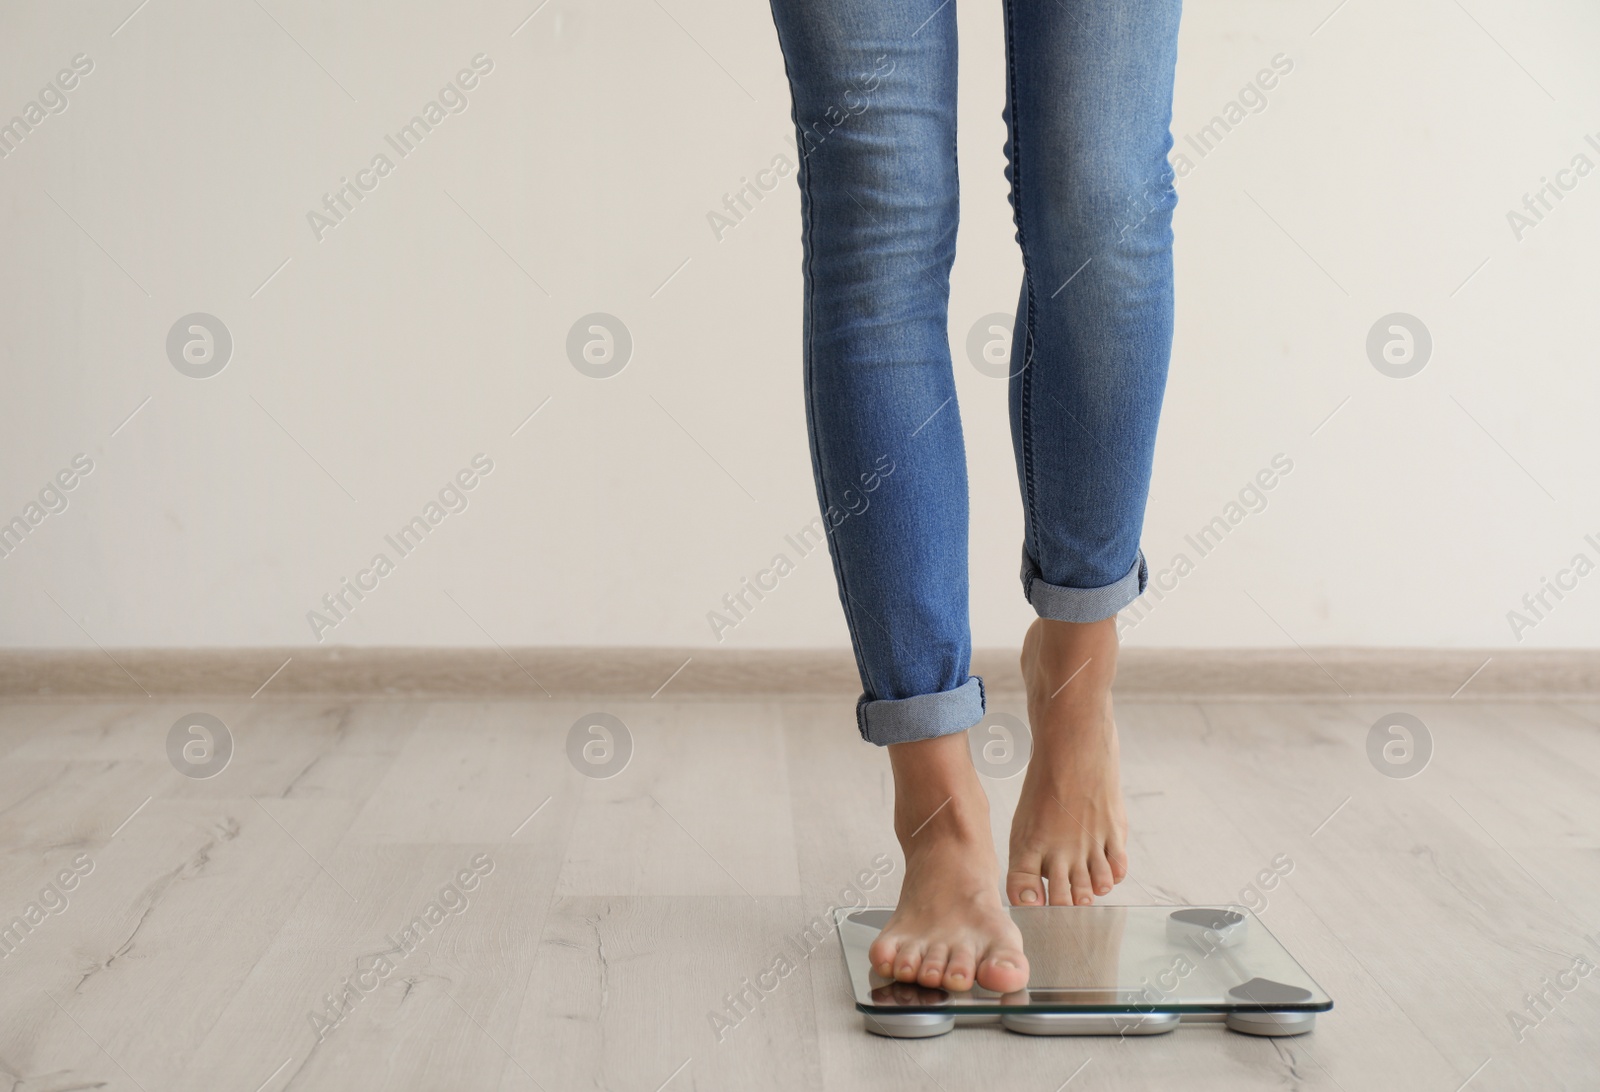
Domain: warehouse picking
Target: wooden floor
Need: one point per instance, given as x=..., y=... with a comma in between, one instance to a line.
x=216, y=915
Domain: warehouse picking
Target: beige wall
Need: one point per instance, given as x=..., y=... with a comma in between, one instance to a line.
x=425, y=328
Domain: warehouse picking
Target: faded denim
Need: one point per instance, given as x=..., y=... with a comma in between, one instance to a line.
x=1088, y=115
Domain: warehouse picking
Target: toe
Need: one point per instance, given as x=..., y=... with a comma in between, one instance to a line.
x=1078, y=877
x=1058, y=871
x=1024, y=884
x=908, y=962
x=882, y=953
x=963, y=965
x=1117, y=858
x=1004, y=970
x=1025, y=876
x=1100, y=873
x=934, y=961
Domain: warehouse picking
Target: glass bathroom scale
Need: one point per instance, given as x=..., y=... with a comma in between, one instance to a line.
x=1105, y=970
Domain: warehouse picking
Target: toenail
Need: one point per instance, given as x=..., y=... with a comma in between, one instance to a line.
x=1030, y=896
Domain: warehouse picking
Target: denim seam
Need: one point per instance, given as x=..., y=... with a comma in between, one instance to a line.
x=955, y=171
x=1025, y=396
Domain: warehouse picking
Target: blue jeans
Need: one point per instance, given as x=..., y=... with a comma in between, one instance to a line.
x=1088, y=110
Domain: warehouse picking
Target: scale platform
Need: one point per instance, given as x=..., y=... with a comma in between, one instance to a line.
x=1105, y=970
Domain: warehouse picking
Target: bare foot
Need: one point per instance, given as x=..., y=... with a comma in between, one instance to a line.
x=1070, y=827
x=950, y=927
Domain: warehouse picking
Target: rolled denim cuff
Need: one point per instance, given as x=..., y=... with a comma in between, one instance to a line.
x=902, y=720
x=1082, y=604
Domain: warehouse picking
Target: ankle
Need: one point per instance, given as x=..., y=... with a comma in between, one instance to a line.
x=937, y=791
x=960, y=817
x=1070, y=662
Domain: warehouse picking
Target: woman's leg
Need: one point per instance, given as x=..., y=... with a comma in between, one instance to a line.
x=1089, y=105
x=874, y=87
x=875, y=109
